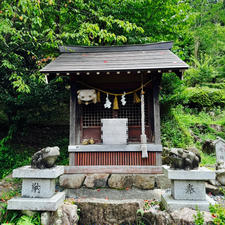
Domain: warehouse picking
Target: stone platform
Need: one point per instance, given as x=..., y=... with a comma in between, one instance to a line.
x=37, y=204
x=38, y=189
x=173, y=204
x=188, y=188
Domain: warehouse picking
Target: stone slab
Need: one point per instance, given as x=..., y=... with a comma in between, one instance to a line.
x=188, y=190
x=28, y=172
x=201, y=173
x=114, y=131
x=220, y=150
x=172, y=204
x=38, y=188
x=113, y=194
x=37, y=204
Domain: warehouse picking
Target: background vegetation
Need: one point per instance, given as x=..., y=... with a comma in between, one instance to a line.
x=34, y=114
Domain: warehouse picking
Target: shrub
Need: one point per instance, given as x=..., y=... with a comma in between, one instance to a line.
x=203, y=97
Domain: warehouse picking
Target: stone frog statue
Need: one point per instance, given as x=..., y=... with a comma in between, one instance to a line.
x=184, y=159
x=45, y=158
x=87, y=96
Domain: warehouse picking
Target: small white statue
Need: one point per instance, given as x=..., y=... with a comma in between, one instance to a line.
x=86, y=96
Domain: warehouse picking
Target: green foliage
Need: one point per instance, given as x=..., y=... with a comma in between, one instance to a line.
x=203, y=71
x=218, y=213
x=199, y=97
x=174, y=132
x=16, y=218
x=207, y=159
x=199, y=217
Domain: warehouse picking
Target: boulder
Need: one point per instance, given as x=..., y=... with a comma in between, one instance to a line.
x=71, y=180
x=120, y=181
x=154, y=216
x=208, y=147
x=212, y=189
x=183, y=216
x=162, y=181
x=96, y=180
x=108, y=212
x=66, y=214
x=220, y=176
x=144, y=181
x=217, y=127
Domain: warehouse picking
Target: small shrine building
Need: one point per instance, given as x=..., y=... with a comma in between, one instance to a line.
x=114, y=105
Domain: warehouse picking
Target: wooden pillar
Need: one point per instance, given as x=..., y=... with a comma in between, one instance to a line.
x=72, y=137
x=156, y=110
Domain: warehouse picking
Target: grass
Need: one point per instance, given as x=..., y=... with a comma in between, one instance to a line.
x=186, y=127
x=207, y=160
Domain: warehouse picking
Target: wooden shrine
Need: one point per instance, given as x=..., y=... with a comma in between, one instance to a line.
x=123, y=82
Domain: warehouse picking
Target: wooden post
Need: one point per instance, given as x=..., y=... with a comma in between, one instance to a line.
x=156, y=109
x=72, y=138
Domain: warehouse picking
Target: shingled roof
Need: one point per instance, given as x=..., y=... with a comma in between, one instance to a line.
x=116, y=58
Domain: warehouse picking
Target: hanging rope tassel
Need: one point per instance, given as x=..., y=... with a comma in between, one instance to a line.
x=98, y=96
x=136, y=98
x=143, y=135
x=115, y=103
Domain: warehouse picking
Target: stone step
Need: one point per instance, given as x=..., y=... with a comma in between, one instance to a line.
x=113, y=194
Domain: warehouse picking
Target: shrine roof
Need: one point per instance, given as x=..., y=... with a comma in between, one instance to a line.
x=115, y=58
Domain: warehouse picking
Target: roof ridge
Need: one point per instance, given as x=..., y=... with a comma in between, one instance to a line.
x=117, y=48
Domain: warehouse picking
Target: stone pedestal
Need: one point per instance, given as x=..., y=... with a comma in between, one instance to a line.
x=188, y=189
x=38, y=189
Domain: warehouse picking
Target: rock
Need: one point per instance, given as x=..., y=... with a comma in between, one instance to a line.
x=162, y=181
x=212, y=189
x=154, y=216
x=208, y=147
x=144, y=181
x=220, y=176
x=185, y=216
x=120, y=181
x=71, y=180
x=29, y=212
x=214, y=182
x=66, y=214
x=45, y=218
x=217, y=127
x=110, y=212
x=96, y=180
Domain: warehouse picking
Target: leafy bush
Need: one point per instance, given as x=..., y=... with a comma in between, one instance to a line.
x=202, y=72
x=174, y=134
x=203, y=97
x=16, y=218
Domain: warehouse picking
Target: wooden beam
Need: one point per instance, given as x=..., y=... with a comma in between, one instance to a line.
x=113, y=169
x=72, y=134
x=114, y=148
x=156, y=109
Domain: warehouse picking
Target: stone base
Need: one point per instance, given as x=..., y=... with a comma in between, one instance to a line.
x=171, y=204
x=37, y=204
x=38, y=188
x=28, y=172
